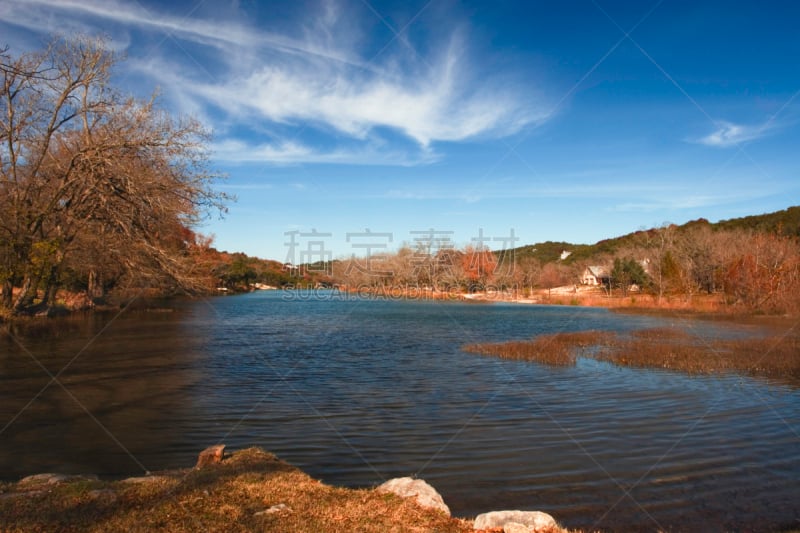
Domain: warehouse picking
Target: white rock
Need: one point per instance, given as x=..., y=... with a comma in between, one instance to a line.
x=42, y=479
x=405, y=487
x=515, y=527
x=534, y=520
x=53, y=479
x=281, y=507
x=145, y=479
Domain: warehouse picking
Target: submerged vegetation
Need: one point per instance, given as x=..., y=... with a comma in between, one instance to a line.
x=660, y=348
x=675, y=349
x=557, y=349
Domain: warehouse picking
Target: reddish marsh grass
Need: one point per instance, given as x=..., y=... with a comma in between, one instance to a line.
x=674, y=349
x=665, y=348
x=558, y=349
x=771, y=356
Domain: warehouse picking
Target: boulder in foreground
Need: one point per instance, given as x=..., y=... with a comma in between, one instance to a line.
x=533, y=520
x=406, y=487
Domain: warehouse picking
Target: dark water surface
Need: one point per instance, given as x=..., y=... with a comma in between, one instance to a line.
x=357, y=391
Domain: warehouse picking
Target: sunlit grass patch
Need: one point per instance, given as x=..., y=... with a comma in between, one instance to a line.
x=660, y=348
x=675, y=349
x=558, y=349
x=665, y=348
x=250, y=490
x=772, y=356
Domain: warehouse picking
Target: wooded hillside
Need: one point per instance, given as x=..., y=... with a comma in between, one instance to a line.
x=751, y=264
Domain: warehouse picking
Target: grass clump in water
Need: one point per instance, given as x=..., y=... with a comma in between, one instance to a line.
x=659, y=348
x=675, y=349
x=557, y=349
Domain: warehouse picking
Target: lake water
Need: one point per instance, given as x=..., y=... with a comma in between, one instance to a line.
x=359, y=390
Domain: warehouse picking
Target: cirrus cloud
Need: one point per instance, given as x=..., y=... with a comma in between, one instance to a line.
x=730, y=134
x=429, y=106
x=311, y=89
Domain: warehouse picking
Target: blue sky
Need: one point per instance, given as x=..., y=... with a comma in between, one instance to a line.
x=576, y=120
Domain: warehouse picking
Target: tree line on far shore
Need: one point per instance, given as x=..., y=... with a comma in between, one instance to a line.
x=748, y=269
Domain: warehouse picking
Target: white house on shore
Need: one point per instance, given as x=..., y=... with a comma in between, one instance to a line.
x=601, y=275
x=595, y=275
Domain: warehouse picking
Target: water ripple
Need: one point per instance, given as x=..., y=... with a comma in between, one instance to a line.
x=358, y=391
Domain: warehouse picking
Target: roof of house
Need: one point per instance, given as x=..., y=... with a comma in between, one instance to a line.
x=598, y=271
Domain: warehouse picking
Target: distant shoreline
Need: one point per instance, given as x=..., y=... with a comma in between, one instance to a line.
x=570, y=295
x=705, y=305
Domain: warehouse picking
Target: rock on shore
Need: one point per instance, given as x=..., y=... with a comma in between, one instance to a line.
x=532, y=521
x=406, y=487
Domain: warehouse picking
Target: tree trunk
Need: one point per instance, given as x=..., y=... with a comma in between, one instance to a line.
x=50, y=288
x=26, y=295
x=95, y=286
x=7, y=298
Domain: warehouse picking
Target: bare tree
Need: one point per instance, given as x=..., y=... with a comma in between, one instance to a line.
x=765, y=274
x=527, y=274
x=84, y=168
x=552, y=275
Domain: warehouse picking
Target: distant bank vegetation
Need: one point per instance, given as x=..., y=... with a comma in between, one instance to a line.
x=749, y=265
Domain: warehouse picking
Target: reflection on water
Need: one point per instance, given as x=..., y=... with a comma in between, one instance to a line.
x=113, y=407
x=356, y=392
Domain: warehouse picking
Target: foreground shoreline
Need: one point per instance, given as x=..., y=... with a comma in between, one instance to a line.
x=248, y=490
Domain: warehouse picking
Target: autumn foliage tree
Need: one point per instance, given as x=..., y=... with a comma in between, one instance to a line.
x=766, y=275
x=92, y=180
x=478, y=266
x=551, y=276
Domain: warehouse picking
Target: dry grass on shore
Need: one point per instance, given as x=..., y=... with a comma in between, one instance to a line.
x=663, y=348
x=232, y=496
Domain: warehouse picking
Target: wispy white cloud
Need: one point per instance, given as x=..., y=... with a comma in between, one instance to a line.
x=428, y=106
x=677, y=203
x=236, y=151
x=640, y=196
x=730, y=134
x=680, y=200
x=52, y=15
x=246, y=186
x=319, y=78
x=493, y=191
